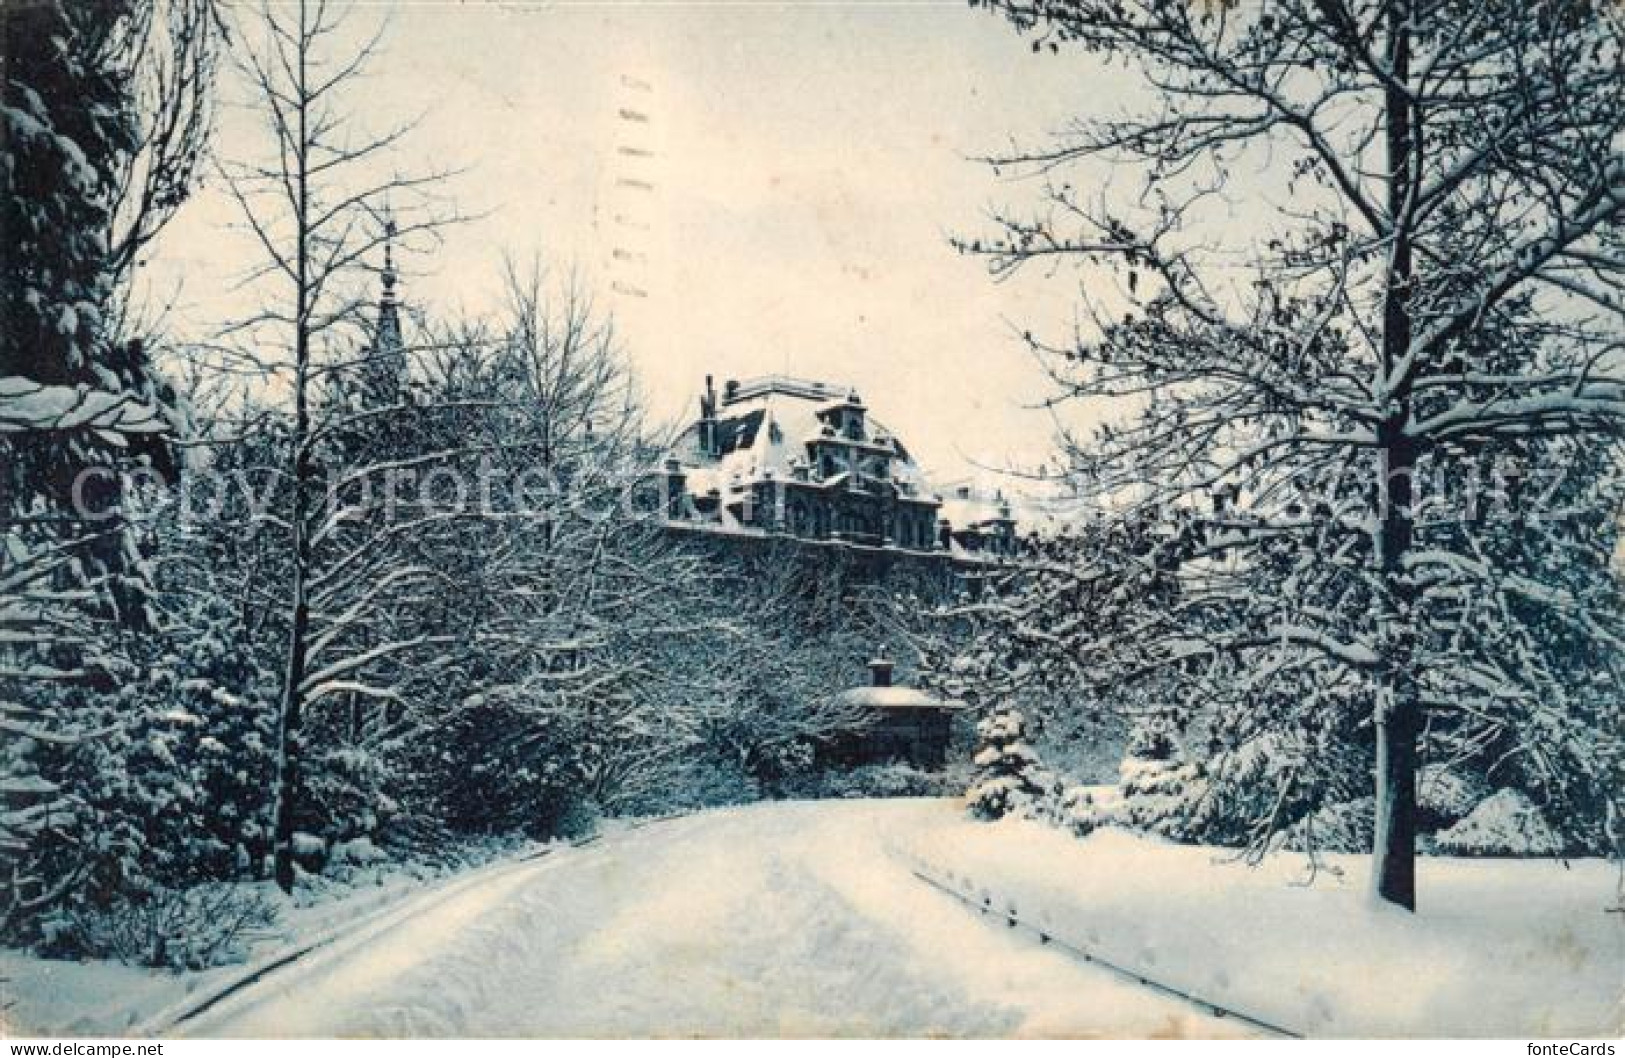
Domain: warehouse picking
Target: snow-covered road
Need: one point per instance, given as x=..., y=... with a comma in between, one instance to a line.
x=775, y=919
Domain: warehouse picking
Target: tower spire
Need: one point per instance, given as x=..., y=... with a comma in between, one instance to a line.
x=389, y=258
x=386, y=364
x=387, y=339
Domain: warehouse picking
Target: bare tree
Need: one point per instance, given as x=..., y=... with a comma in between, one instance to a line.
x=172, y=49
x=321, y=208
x=1427, y=292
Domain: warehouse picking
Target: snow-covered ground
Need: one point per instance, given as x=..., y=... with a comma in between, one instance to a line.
x=55, y=997
x=775, y=919
x=1498, y=948
x=807, y=918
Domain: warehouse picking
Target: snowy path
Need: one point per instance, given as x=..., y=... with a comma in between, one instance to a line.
x=777, y=919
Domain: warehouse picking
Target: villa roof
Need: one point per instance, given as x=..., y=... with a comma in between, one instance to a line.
x=766, y=426
x=895, y=697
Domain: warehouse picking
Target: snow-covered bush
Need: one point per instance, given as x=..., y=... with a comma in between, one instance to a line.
x=75, y=397
x=195, y=775
x=703, y=781
x=495, y=768
x=1158, y=790
x=580, y=819
x=1343, y=826
x=892, y=779
x=177, y=929
x=1445, y=795
x=1504, y=824
x=360, y=852
x=1156, y=734
x=1158, y=795
x=1075, y=809
x=1009, y=779
x=349, y=793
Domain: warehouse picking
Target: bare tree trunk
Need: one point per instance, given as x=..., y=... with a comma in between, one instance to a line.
x=289, y=748
x=1397, y=714
x=1398, y=709
x=317, y=212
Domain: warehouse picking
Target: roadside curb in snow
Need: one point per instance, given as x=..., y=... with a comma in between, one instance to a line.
x=168, y=1020
x=1048, y=937
x=178, y=1014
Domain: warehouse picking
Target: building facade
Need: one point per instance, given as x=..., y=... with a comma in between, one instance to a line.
x=807, y=460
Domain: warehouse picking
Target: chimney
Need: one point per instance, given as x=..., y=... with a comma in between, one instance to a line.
x=708, y=419
x=676, y=493
x=880, y=671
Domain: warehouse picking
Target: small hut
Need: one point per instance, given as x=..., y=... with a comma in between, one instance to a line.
x=906, y=723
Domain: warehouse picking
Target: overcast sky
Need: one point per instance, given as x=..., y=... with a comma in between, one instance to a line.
x=808, y=164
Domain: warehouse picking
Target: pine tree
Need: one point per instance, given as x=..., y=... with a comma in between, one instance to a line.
x=103, y=112
x=1009, y=779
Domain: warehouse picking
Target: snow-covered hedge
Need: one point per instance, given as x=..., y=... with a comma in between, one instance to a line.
x=1445, y=795
x=882, y=780
x=1504, y=824
x=1345, y=826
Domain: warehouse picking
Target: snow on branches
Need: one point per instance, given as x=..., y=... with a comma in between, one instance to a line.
x=1374, y=448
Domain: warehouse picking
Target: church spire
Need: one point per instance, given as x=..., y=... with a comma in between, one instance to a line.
x=387, y=339
x=385, y=370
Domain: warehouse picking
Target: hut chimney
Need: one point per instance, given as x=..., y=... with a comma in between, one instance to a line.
x=880, y=671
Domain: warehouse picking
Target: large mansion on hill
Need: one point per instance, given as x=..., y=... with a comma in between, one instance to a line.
x=805, y=459
x=773, y=457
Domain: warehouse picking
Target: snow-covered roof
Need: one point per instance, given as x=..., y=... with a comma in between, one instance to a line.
x=764, y=428
x=968, y=506
x=897, y=698
x=968, y=511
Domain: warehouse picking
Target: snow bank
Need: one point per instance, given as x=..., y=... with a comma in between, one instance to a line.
x=54, y=997
x=1499, y=948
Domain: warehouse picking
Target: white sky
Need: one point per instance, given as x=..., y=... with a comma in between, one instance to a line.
x=810, y=162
